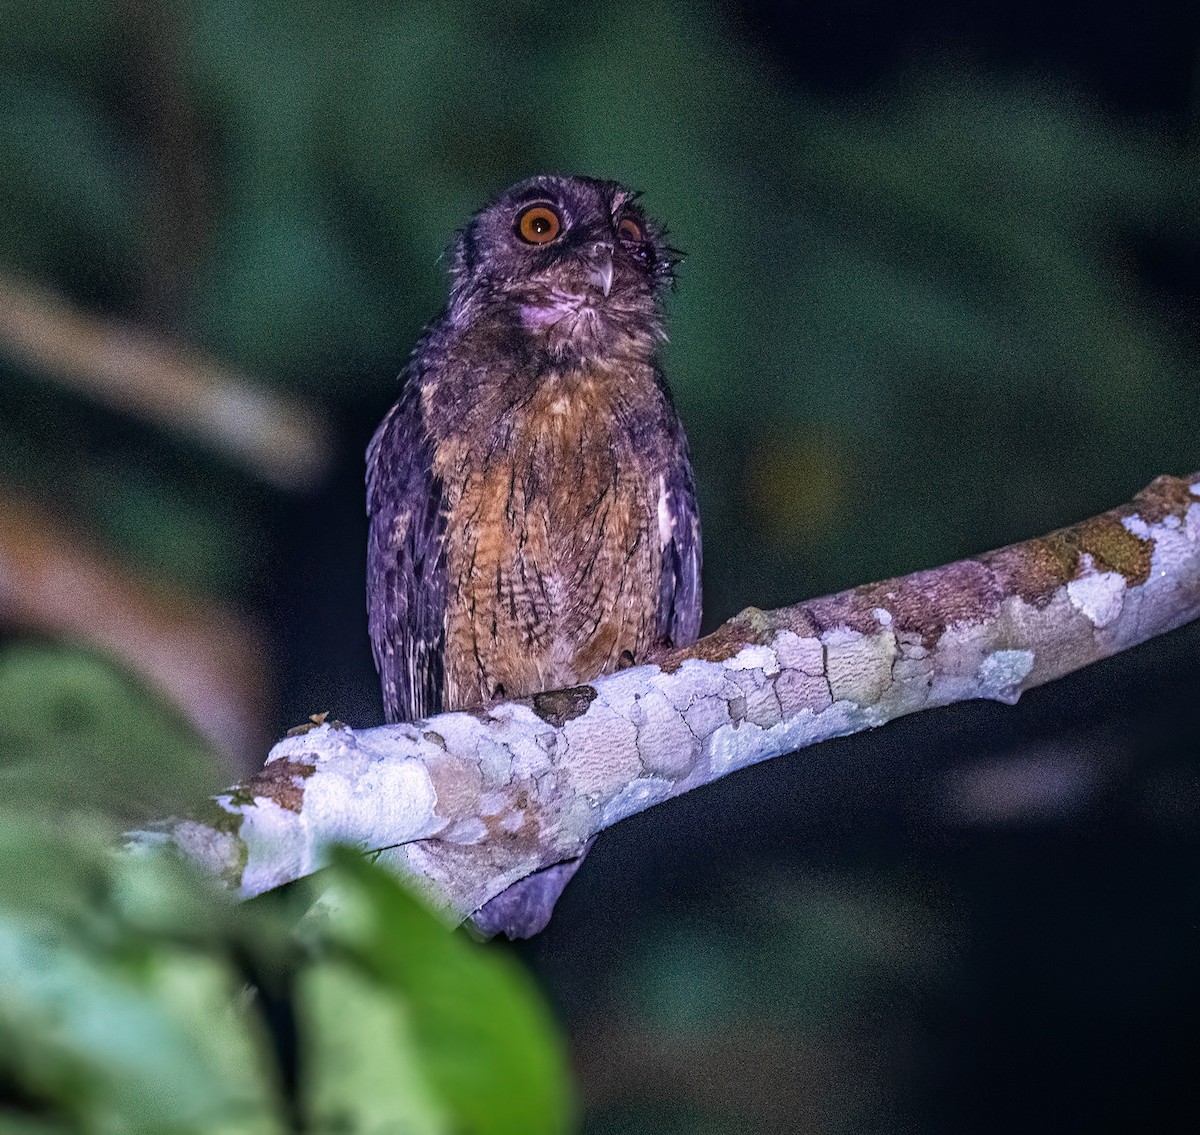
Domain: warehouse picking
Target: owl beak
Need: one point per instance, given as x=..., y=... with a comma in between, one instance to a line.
x=600, y=267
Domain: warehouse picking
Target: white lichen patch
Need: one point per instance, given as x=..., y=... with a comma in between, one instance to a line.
x=493, y=803
x=761, y=702
x=912, y=678
x=694, y=680
x=667, y=746
x=513, y=822
x=1002, y=672
x=324, y=743
x=619, y=690
x=956, y=661
x=731, y=748
x=278, y=848
x=859, y=667
x=464, y=735
x=219, y=852
x=706, y=714
x=1060, y=636
x=371, y=804
x=1171, y=594
x=601, y=750
x=389, y=742
x=469, y=830
x=531, y=751
x=761, y=658
x=1138, y=527
x=804, y=654
x=1097, y=594
x=635, y=797
x=798, y=690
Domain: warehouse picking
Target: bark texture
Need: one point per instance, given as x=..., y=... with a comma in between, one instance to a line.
x=467, y=803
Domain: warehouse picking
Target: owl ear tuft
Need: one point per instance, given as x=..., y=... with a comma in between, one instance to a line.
x=621, y=197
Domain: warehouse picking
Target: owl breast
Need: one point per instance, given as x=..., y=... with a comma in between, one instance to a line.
x=552, y=556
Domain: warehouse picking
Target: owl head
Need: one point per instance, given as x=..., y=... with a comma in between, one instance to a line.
x=572, y=262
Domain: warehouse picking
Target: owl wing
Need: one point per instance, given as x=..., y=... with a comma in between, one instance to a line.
x=678, y=617
x=525, y=908
x=406, y=561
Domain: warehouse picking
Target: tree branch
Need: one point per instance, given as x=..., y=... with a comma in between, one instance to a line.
x=466, y=804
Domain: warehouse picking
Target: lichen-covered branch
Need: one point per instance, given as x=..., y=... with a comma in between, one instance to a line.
x=466, y=803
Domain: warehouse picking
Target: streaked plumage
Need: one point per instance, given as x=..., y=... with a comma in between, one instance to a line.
x=532, y=514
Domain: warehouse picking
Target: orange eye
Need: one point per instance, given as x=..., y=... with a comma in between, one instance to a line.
x=630, y=230
x=539, y=224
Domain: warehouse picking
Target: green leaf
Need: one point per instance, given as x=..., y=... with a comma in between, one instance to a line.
x=363, y=1072
x=486, y=1044
x=122, y=1009
x=80, y=733
x=51, y=872
x=132, y=1041
x=122, y=1019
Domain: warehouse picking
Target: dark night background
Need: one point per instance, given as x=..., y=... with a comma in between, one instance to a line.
x=942, y=293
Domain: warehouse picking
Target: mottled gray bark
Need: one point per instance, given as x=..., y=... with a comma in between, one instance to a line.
x=467, y=803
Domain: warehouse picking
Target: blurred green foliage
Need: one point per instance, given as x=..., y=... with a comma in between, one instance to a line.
x=914, y=322
x=138, y=998
x=80, y=734
x=757, y=1008
x=885, y=301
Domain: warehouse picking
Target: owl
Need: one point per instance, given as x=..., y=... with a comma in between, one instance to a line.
x=533, y=520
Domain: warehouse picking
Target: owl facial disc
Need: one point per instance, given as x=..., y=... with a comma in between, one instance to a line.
x=574, y=262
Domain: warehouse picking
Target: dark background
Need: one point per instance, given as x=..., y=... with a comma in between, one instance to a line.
x=941, y=294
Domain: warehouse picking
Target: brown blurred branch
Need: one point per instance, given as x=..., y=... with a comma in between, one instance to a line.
x=203, y=658
x=167, y=385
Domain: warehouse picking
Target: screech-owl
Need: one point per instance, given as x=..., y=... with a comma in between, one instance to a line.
x=533, y=521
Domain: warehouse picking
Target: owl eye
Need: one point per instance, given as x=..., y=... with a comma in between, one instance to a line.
x=634, y=241
x=630, y=231
x=539, y=224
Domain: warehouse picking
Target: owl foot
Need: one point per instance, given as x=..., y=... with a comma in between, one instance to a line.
x=525, y=908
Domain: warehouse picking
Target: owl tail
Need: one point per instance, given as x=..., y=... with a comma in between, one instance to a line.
x=525, y=908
